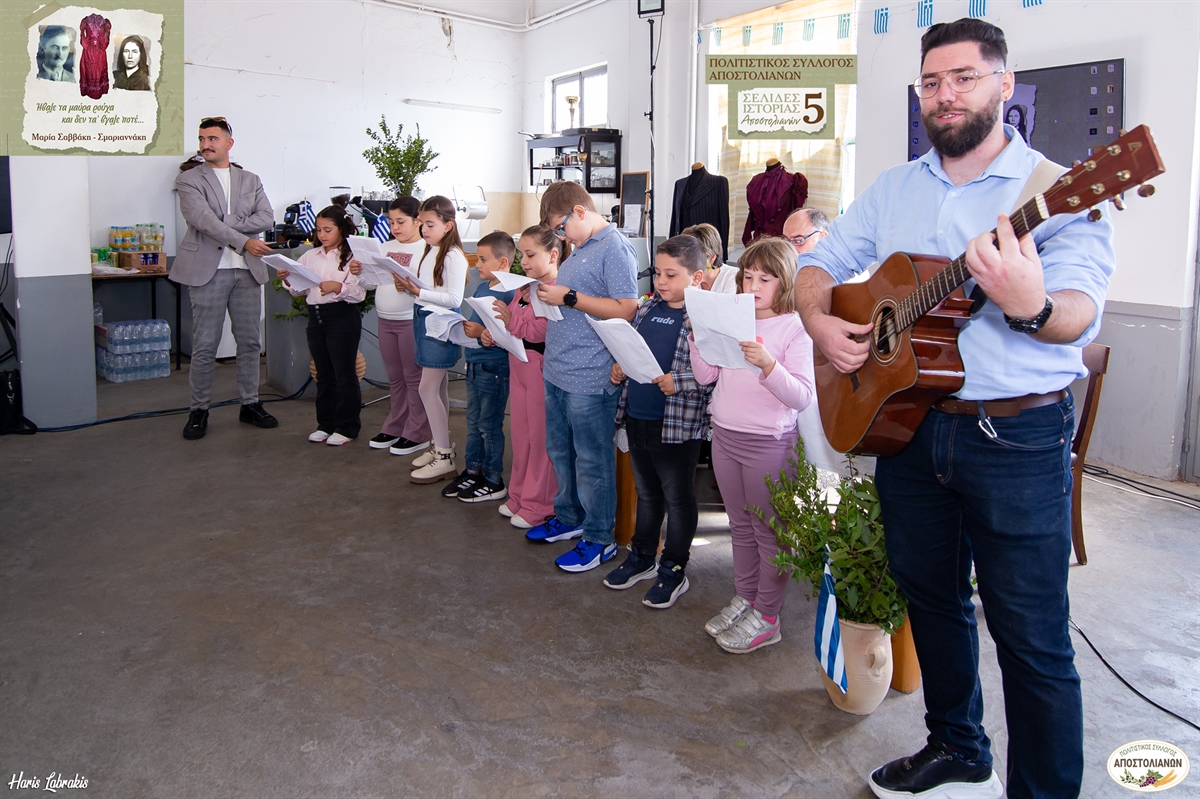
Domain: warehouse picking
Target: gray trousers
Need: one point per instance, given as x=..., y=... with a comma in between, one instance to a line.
x=237, y=290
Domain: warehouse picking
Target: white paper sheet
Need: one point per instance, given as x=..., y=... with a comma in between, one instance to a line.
x=447, y=325
x=377, y=267
x=485, y=307
x=511, y=282
x=628, y=348
x=300, y=277
x=720, y=322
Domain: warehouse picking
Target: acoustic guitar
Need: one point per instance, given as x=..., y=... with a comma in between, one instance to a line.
x=916, y=305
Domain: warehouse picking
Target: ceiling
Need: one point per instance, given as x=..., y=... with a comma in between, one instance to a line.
x=504, y=12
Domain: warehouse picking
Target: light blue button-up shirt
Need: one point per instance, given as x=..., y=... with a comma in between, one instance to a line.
x=916, y=208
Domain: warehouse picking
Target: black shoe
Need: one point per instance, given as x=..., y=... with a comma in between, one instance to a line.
x=671, y=584
x=936, y=771
x=197, y=425
x=383, y=441
x=405, y=447
x=257, y=415
x=635, y=569
x=464, y=480
x=483, y=490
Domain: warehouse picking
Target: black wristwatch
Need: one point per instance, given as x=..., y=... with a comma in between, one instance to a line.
x=1031, y=325
x=570, y=298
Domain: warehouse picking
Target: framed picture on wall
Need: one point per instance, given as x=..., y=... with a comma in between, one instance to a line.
x=635, y=190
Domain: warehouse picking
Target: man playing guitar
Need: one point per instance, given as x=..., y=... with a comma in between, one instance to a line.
x=986, y=478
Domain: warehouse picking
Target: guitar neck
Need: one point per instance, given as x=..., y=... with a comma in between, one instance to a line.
x=934, y=291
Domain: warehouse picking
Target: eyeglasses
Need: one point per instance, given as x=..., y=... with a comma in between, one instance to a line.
x=797, y=241
x=960, y=80
x=217, y=122
x=561, y=230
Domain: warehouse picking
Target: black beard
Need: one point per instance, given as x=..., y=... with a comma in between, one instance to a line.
x=955, y=143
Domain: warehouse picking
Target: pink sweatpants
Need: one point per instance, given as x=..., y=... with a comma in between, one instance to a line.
x=740, y=462
x=407, y=416
x=531, y=485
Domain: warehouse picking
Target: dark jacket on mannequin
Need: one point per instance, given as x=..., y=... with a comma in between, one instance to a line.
x=771, y=196
x=700, y=198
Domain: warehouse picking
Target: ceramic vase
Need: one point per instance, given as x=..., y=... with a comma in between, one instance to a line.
x=868, y=653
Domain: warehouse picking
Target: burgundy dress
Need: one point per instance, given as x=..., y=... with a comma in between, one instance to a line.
x=93, y=68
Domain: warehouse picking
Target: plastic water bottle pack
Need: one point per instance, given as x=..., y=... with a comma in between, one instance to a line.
x=128, y=351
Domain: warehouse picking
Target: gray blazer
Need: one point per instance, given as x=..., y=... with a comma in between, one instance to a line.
x=212, y=227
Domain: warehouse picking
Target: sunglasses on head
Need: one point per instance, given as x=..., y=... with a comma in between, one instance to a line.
x=216, y=122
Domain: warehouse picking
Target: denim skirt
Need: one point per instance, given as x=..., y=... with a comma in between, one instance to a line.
x=430, y=352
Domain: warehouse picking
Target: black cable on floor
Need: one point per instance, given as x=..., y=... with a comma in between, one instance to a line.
x=169, y=412
x=1099, y=471
x=1116, y=674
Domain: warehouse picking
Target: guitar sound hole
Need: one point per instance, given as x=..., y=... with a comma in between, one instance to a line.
x=885, y=332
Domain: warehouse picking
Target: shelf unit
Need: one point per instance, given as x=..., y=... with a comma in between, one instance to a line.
x=599, y=172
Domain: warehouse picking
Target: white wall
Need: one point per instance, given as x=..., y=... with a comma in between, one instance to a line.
x=1155, y=238
x=300, y=83
x=50, y=215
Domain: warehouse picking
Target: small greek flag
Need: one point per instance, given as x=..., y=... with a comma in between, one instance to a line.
x=308, y=217
x=843, y=26
x=924, y=13
x=1030, y=3
x=881, y=21
x=810, y=28
x=827, y=642
x=382, y=228
x=977, y=9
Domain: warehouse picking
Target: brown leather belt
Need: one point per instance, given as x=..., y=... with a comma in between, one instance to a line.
x=1000, y=407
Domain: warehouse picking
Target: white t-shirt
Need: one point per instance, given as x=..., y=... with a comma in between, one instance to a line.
x=726, y=282
x=389, y=303
x=229, y=258
x=454, y=279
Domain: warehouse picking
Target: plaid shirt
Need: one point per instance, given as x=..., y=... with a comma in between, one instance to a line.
x=686, y=415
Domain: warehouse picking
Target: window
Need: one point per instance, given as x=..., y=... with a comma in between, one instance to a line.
x=591, y=109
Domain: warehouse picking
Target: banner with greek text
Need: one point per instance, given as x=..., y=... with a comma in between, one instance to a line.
x=781, y=96
x=103, y=78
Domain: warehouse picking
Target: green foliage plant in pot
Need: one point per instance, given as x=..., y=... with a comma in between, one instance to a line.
x=399, y=160
x=870, y=605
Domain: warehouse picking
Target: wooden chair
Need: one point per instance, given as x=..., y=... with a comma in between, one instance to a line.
x=1095, y=358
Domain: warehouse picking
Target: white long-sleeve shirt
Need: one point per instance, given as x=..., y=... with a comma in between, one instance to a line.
x=454, y=279
x=325, y=264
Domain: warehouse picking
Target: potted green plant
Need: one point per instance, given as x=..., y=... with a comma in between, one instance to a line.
x=808, y=524
x=399, y=160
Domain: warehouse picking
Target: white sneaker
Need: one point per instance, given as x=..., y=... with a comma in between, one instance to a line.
x=516, y=521
x=337, y=439
x=505, y=512
x=425, y=458
x=317, y=436
x=750, y=633
x=440, y=467
x=729, y=616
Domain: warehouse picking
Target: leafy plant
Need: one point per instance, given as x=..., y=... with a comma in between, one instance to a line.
x=300, y=304
x=806, y=525
x=399, y=160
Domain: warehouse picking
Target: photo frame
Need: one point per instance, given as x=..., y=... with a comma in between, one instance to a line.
x=635, y=190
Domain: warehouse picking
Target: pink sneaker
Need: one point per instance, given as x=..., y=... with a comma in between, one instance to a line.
x=751, y=632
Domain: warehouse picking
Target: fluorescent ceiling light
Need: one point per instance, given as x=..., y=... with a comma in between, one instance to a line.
x=478, y=109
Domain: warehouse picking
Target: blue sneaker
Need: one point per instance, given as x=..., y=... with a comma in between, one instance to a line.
x=586, y=556
x=553, y=530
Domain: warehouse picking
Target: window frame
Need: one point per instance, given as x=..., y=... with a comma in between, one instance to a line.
x=580, y=76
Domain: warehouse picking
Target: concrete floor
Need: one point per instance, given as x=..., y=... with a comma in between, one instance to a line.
x=251, y=615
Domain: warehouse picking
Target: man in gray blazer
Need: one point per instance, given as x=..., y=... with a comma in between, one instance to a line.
x=220, y=259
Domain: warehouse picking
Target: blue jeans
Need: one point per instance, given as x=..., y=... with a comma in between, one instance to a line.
x=487, y=394
x=579, y=440
x=952, y=497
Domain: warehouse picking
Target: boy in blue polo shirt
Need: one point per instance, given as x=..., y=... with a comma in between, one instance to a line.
x=600, y=279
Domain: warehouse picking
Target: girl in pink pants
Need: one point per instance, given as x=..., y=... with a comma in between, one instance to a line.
x=531, y=485
x=754, y=415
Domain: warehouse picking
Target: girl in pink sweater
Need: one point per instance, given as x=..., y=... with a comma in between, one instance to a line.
x=754, y=413
x=531, y=485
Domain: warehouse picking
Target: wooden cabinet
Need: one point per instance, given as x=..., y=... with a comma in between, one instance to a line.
x=592, y=160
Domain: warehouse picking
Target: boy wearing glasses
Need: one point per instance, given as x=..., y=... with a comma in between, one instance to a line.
x=599, y=278
x=219, y=259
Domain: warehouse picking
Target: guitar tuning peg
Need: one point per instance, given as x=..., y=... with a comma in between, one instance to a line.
x=1076, y=162
x=1145, y=190
x=1094, y=215
x=1121, y=132
x=1119, y=203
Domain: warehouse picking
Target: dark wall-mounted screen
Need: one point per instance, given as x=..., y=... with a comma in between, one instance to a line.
x=5, y=197
x=1062, y=112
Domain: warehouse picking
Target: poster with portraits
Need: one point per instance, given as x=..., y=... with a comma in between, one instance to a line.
x=94, y=79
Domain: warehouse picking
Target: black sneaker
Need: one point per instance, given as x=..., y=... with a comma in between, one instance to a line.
x=936, y=771
x=257, y=415
x=464, y=480
x=671, y=584
x=405, y=447
x=383, y=441
x=635, y=569
x=483, y=491
x=197, y=425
